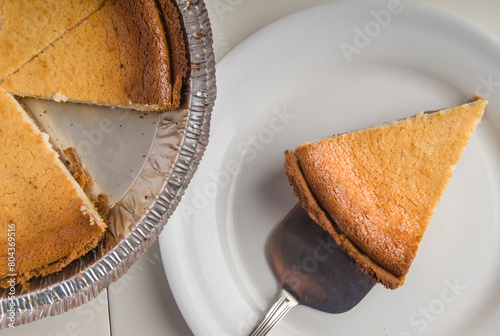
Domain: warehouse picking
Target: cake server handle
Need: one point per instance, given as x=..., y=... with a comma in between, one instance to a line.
x=277, y=311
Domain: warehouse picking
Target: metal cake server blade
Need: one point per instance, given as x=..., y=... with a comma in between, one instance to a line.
x=311, y=269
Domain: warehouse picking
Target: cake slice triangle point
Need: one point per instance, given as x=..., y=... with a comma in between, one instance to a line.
x=375, y=190
x=41, y=205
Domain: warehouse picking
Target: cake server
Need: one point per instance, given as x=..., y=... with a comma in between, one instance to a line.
x=311, y=269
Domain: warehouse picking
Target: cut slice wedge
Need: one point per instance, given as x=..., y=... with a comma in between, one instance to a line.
x=375, y=190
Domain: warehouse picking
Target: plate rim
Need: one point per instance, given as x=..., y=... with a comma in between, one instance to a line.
x=86, y=286
x=463, y=23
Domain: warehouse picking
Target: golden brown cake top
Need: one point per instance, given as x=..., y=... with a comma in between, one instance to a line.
x=54, y=220
x=29, y=26
x=104, y=52
x=117, y=57
x=381, y=185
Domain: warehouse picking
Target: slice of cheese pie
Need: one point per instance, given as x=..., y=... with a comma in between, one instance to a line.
x=118, y=57
x=42, y=208
x=375, y=190
x=27, y=27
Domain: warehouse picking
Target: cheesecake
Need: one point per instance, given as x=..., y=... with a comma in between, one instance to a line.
x=27, y=27
x=115, y=53
x=118, y=57
x=375, y=190
x=44, y=209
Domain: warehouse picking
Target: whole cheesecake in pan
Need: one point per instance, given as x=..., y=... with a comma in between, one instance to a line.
x=118, y=57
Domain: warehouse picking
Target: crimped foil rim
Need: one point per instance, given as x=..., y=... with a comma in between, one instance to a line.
x=82, y=288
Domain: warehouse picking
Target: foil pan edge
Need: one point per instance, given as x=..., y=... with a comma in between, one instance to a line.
x=82, y=288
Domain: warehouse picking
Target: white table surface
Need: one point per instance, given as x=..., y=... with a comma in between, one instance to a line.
x=141, y=302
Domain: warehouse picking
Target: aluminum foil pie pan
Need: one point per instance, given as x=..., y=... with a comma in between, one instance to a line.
x=142, y=162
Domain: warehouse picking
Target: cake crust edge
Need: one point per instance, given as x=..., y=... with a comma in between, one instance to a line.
x=307, y=200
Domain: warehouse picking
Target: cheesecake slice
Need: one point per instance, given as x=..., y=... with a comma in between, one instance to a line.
x=375, y=190
x=27, y=27
x=118, y=57
x=46, y=220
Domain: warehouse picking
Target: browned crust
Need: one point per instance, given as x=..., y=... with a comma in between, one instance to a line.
x=39, y=203
x=149, y=81
x=307, y=200
x=179, y=65
x=81, y=176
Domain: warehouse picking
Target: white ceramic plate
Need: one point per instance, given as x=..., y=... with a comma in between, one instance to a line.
x=330, y=69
